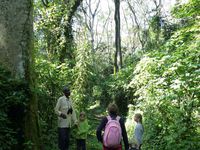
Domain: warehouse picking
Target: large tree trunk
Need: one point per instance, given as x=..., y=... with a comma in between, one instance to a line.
x=16, y=54
x=118, y=53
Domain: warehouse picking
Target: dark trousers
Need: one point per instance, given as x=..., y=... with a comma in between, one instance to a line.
x=63, y=138
x=81, y=144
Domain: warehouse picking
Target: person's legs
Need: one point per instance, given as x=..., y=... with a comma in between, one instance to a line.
x=62, y=138
x=67, y=140
x=83, y=144
x=78, y=144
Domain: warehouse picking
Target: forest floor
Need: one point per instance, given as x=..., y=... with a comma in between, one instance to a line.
x=94, y=117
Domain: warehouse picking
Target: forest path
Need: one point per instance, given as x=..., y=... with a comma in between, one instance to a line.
x=94, y=117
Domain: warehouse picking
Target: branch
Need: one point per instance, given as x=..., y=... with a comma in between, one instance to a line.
x=45, y=3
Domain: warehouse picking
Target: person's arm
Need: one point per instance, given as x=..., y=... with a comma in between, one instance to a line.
x=124, y=134
x=57, y=108
x=100, y=128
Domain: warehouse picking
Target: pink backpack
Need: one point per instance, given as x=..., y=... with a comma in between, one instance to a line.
x=113, y=133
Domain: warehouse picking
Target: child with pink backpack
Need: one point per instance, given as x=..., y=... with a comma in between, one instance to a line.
x=114, y=130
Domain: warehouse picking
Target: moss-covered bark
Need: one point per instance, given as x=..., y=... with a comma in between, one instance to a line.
x=67, y=52
x=16, y=54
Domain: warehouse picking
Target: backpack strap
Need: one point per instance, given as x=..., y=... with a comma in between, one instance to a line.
x=109, y=118
x=118, y=118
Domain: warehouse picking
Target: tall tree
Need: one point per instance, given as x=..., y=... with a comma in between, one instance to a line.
x=90, y=15
x=118, y=52
x=158, y=5
x=16, y=54
x=135, y=17
x=55, y=29
x=67, y=50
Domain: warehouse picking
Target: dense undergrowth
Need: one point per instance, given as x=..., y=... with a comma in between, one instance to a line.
x=13, y=95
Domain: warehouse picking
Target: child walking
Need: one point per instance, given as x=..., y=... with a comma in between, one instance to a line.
x=82, y=131
x=114, y=130
x=139, y=130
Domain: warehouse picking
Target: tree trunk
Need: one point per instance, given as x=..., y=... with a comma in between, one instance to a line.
x=16, y=54
x=158, y=25
x=142, y=41
x=68, y=50
x=118, y=53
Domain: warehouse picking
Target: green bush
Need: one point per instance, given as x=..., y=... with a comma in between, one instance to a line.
x=167, y=83
x=13, y=93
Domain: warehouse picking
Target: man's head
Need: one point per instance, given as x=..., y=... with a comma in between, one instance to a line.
x=66, y=91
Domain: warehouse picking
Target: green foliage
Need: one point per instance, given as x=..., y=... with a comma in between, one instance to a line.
x=84, y=76
x=164, y=84
x=52, y=26
x=129, y=123
x=48, y=27
x=190, y=9
x=155, y=23
x=53, y=29
x=167, y=82
x=51, y=77
x=117, y=89
x=13, y=101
